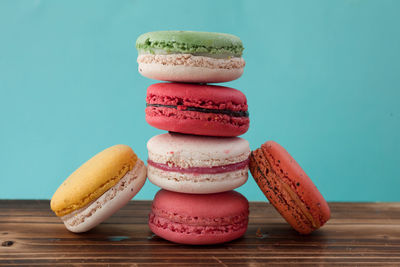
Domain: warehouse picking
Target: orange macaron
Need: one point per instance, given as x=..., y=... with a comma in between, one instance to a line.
x=288, y=188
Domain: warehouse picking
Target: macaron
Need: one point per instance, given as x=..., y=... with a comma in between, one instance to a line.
x=199, y=219
x=197, y=164
x=99, y=188
x=197, y=109
x=288, y=188
x=188, y=56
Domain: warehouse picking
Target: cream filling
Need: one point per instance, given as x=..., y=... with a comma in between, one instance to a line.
x=79, y=216
x=192, y=61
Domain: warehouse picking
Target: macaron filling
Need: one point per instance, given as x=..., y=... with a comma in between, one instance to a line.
x=232, y=113
x=200, y=170
x=188, y=60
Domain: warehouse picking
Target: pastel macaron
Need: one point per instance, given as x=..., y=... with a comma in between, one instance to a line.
x=197, y=164
x=188, y=56
x=99, y=188
x=197, y=109
x=288, y=188
x=199, y=219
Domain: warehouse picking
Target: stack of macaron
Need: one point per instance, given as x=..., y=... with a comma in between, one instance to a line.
x=200, y=160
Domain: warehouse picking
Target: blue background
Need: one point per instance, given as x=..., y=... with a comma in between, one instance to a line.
x=322, y=79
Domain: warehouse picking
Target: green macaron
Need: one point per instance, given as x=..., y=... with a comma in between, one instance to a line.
x=195, y=43
x=188, y=56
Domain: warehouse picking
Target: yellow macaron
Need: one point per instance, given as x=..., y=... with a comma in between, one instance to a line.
x=98, y=176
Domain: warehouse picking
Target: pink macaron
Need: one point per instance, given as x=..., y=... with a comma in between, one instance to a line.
x=197, y=109
x=199, y=219
x=197, y=164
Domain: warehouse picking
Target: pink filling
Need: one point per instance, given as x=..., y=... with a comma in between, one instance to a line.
x=200, y=170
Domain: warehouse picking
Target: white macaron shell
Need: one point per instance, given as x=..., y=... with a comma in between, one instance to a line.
x=197, y=151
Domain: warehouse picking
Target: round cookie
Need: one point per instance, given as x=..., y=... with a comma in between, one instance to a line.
x=288, y=188
x=188, y=56
x=197, y=109
x=189, y=219
x=99, y=188
x=197, y=164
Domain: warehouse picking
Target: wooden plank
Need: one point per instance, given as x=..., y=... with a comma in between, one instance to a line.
x=365, y=234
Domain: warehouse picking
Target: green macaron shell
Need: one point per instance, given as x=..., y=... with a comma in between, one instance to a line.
x=197, y=43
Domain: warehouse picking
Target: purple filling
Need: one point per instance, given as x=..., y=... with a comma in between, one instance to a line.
x=200, y=170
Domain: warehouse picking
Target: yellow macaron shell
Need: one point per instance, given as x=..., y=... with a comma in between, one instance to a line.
x=92, y=179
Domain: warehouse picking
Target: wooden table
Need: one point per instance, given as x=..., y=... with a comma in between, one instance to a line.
x=357, y=234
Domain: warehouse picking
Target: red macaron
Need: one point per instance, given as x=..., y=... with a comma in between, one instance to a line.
x=288, y=188
x=199, y=219
x=197, y=109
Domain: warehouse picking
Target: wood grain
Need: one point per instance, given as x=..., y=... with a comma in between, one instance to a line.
x=366, y=234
